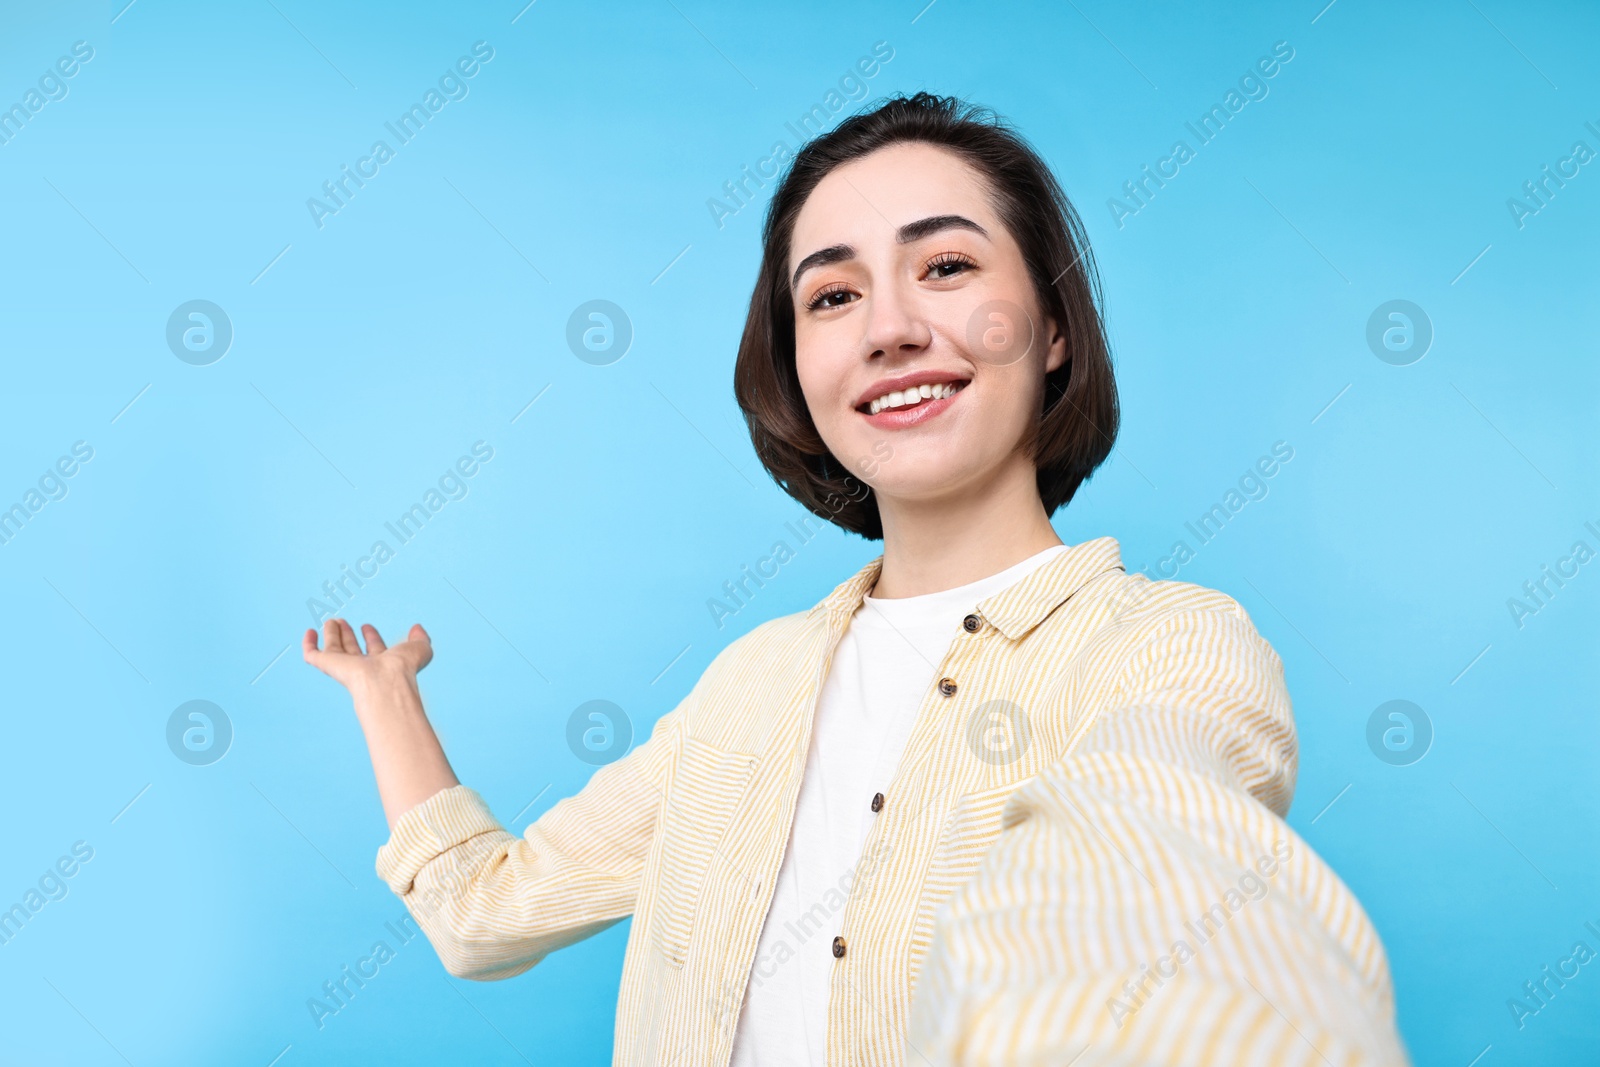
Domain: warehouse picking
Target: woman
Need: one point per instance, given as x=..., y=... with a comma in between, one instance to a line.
x=993, y=799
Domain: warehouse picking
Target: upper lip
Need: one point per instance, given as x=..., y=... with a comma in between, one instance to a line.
x=902, y=382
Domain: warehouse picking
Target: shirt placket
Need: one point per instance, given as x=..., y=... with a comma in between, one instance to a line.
x=899, y=810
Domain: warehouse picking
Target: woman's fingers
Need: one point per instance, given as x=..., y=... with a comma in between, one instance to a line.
x=332, y=636
x=325, y=661
x=351, y=645
x=339, y=638
x=308, y=647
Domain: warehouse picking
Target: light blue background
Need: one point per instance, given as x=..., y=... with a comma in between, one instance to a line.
x=429, y=312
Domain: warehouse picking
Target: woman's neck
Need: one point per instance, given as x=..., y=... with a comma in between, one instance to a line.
x=933, y=545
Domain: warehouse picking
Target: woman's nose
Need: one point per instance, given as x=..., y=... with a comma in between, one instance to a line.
x=895, y=323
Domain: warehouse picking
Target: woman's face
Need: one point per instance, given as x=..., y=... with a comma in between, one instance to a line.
x=913, y=298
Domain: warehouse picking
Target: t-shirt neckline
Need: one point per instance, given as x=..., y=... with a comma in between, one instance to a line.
x=934, y=608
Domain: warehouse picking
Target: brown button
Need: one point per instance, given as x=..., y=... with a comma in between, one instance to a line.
x=877, y=802
x=971, y=624
x=838, y=947
x=947, y=686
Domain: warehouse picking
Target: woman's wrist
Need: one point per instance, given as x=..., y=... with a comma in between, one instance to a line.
x=386, y=695
x=407, y=759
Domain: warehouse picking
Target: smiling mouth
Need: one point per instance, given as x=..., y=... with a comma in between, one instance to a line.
x=914, y=397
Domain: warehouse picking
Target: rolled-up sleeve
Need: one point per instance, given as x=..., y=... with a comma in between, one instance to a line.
x=1145, y=903
x=494, y=904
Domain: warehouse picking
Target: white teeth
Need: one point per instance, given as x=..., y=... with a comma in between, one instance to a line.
x=914, y=395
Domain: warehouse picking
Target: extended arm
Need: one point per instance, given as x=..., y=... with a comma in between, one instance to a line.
x=1146, y=904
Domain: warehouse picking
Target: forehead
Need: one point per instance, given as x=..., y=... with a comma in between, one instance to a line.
x=869, y=198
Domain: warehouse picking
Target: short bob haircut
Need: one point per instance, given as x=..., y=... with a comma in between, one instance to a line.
x=1079, y=416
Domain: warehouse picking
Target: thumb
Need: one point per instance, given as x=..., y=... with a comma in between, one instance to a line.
x=421, y=643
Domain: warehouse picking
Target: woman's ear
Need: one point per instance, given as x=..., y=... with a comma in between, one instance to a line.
x=1056, y=355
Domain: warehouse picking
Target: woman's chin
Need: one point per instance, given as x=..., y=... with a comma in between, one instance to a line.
x=939, y=484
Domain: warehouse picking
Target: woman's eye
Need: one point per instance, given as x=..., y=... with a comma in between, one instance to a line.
x=825, y=299
x=949, y=265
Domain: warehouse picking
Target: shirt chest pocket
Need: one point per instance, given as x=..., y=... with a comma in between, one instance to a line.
x=709, y=786
x=969, y=829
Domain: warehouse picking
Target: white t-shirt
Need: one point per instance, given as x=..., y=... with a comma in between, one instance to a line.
x=882, y=668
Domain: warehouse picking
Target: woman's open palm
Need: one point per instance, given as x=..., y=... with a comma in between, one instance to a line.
x=344, y=661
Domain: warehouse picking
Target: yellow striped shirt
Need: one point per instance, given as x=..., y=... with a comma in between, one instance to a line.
x=1097, y=774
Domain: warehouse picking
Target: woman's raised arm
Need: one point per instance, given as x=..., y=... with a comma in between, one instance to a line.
x=494, y=904
x=407, y=759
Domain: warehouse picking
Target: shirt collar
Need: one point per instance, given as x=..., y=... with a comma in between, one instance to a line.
x=1013, y=611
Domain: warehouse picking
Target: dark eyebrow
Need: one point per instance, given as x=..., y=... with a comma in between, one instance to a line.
x=831, y=254
x=911, y=231
x=916, y=231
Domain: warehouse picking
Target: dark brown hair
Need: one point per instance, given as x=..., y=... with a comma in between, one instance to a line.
x=1078, y=421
